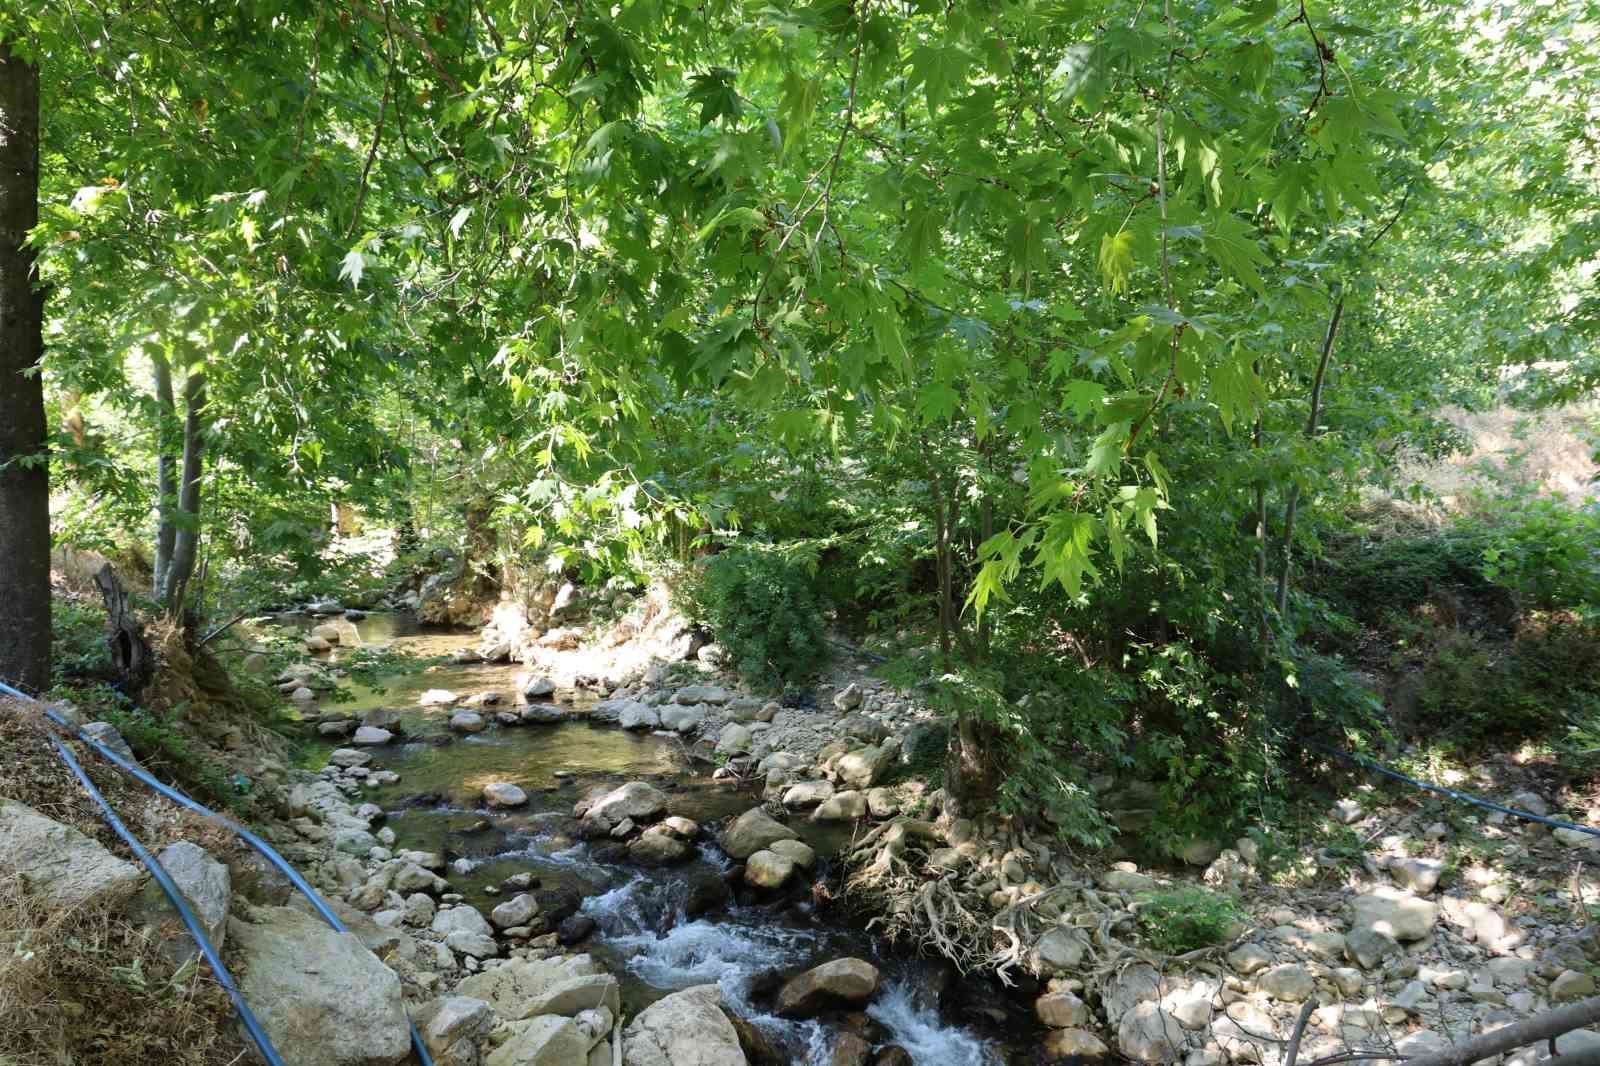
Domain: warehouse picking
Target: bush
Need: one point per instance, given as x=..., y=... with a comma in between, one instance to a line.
x=1185, y=919
x=762, y=605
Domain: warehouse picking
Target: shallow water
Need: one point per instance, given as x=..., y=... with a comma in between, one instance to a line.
x=644, y=934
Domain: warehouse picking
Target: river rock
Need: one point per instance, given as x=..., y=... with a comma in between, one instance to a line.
x=348, y=757
x=636, y=800
x=1061, y=1010
x=753, y=831
x=848, y=698
x=1396, y=914
x=840, y=983
x=550, y=1040
x=371, y=736
x=1570, y=985
x=1289, y=982
x=687, y=1028
x=1073, y=1045
x=321, y=996
x=518, y=910
x=1060, y=950
x=796, y=851
x=1149, y=1034
x=59, y=862
x=768, y=869
x=503, y=794
x=807, y=794
x=842, y=807
x=850, y=1050
x=715, y=695
x=864, y=768
x=734, y=739
x=517, y=987
x=658, y=847
x=461, y=918
x=1416, y=875
x=638, y=716
x=682, y=718
x=1249, y=958
x=456, y=1028
x=436, y=697
x=535, y=688
x=467, y=722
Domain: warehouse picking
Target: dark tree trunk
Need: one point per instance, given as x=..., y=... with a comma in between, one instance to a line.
x=130, y=653
x=24, y=466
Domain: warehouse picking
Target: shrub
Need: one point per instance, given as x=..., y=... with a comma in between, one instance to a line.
x=762, y=605
x=1185, y=919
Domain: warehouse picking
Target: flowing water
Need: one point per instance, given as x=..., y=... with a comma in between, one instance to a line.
x=654, y=930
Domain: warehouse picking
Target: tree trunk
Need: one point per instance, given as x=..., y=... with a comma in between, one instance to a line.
x=186, y=541
x=166, y=465
x=130, y=652
x=24, y=456
x=1311, y=433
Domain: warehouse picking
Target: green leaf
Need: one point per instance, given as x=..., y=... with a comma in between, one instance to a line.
x=937, y=68
x=1083, y=396
x=1116, y=260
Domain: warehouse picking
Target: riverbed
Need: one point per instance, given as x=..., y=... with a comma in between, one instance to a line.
x=653, y=928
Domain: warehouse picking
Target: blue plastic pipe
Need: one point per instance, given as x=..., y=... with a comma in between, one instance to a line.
x=262, y=847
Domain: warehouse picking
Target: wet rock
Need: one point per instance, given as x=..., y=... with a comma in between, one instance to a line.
x=503, y=794
x=574, y=930
x=321, y=996
x=657, y=847
x=535, y=688
x=840, y=983
x=753, y=831
x=558, y=904
x=369, y=736
x=687, y=1028
x=436, y=697
x=893, y=1055
x=768, y=870
x=467, y=722
x=348, y=757
x=850, y=1050
x=541, y=714
x=758, y=1048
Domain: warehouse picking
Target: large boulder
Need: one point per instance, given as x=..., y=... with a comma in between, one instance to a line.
x=636, y=800
x=864, y=768
x=842, y=983
x=321, y=996
x=503, y=794
x=638, y=716
x=206, y=886
x=753, y=831
x=60, y=863
x=687, y=1028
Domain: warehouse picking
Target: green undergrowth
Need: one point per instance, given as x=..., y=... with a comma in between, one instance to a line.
x=1186, y=919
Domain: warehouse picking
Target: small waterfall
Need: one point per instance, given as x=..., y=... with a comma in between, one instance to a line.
x=923, y=1034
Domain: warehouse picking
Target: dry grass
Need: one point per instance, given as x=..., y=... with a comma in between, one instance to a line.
x=1552, y=450
x=89, y=985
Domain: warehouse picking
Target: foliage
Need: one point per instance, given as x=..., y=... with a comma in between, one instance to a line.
x=1473, y=691
x=1186, y=919
x=159, y=743
x=1542, y=550
x=761, y=604
x=79, y=642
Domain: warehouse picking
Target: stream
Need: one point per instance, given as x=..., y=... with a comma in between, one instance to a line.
x=654, y=929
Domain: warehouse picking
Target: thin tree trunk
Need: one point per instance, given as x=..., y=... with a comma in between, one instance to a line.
x=166, y=466
x=1264, y=633
x=1311, y=433
x=130, y=652
x=24, y=455
x=185, y=548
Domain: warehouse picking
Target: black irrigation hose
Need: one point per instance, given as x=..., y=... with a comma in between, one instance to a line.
x=262, y=847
